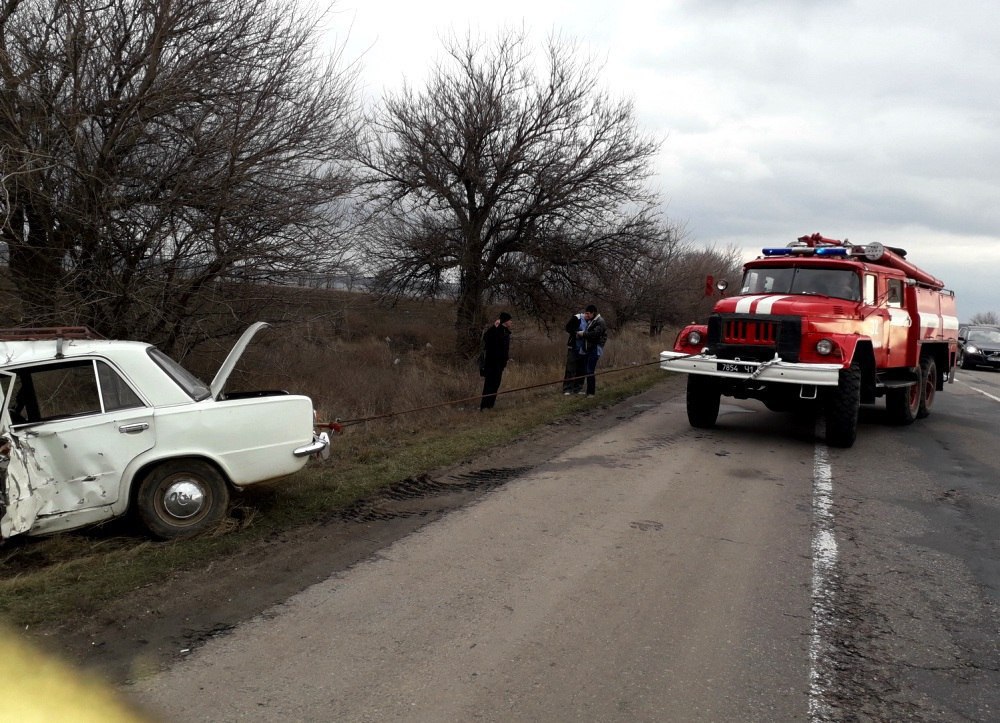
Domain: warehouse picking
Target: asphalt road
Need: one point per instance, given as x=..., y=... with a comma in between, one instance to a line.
x=658, y=573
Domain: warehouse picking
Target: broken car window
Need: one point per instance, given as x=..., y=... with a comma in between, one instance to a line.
x=69, y=389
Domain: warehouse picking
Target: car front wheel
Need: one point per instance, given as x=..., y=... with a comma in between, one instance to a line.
x=182, y=498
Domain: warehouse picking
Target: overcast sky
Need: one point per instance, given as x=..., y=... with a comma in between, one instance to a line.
x=874, y=120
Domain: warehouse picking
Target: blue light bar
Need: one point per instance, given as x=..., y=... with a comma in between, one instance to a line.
x=777, y=252
x=831, y=251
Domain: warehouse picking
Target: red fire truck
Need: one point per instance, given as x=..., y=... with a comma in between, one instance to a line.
x=827, y=325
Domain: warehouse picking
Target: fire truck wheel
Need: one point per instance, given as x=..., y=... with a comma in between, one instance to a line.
x=703, y=396
x=842, y=407
x=904, y=404
x=928, y=375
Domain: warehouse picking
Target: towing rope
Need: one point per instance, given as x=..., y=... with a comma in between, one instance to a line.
x=339, y=424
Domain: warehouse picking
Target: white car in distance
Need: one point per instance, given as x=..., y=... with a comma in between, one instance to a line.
x=93, y=429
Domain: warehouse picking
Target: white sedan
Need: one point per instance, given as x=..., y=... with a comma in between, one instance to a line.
x=95, y=428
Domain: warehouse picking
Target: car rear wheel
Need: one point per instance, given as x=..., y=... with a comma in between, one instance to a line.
x=182, y=498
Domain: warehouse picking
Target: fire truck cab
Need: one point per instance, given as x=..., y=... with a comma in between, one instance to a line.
x=823, y=324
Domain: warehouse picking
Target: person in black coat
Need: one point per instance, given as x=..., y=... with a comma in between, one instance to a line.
x=495, y=354
x=576, y=360
x=594, y=337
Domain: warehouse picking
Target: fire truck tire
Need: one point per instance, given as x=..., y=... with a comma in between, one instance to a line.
x=903, y=404
x=842, y=408
x=928, y=376
x=703, y=396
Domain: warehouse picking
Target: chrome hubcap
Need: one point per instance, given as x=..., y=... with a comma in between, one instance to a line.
x=183, y=499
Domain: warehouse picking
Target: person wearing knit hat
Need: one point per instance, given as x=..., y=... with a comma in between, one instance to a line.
x=594, y=336
x=493, y=357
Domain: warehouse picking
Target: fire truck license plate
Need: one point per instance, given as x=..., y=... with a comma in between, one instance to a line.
x=735, y=367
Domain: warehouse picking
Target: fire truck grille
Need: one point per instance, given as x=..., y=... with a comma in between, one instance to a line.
x=749, y=331
x=754, y=338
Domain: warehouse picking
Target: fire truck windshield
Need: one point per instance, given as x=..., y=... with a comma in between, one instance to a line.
x=839, y=283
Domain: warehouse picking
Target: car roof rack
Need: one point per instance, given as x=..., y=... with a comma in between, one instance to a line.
x=39, y=333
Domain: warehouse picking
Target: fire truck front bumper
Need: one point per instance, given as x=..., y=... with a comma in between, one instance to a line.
x=771, y=371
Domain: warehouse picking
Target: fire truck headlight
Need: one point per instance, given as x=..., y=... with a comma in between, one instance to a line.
x=694, y=338
x=824, y=347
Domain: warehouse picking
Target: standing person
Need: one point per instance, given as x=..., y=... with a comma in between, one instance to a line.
x=495, y=353
x=575, y=360
x=594, y=336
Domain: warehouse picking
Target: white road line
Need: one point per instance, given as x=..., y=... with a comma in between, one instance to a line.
x=977, y=389
x=824, y=561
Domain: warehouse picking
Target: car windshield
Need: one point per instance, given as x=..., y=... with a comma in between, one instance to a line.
x=839, y=283
x=191, y=384
x=984, y=336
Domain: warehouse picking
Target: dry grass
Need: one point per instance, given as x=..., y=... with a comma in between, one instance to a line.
x=356, y=360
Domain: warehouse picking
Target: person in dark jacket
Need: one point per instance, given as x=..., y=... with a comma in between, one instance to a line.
x=594, y=336
x=495, y=354
x=575, y=359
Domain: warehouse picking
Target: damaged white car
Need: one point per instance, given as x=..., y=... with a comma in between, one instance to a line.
x=93, y=428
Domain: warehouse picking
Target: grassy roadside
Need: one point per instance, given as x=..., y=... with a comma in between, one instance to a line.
x=44, y=582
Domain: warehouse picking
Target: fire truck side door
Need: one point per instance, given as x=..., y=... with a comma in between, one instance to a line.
x=877, y=320
x=900, y=323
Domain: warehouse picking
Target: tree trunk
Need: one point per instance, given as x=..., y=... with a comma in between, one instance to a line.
x=36, y=269
x=469, y=317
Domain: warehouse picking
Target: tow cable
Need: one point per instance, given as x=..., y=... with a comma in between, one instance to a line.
x=338, y=424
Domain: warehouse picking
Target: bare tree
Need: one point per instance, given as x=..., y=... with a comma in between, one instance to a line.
x=986, y=317
x=628, y=288
x=502, y=182
x=678, y=292
x=160, y=152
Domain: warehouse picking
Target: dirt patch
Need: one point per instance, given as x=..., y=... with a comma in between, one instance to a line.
x=146, y=630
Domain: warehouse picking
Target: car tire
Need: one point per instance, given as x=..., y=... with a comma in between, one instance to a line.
x=965, y=364
x=928, y=378
x=843, y=406
x=182, y=498
x=703, y=397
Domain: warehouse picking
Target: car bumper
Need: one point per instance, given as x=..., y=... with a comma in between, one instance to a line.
x=981, y=360
x=320, y=445
x=774, y=371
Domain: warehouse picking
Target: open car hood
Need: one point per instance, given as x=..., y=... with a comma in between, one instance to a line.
x=219, y=383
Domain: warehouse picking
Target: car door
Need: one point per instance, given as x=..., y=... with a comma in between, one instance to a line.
x=79, y=424
x=18, y=506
